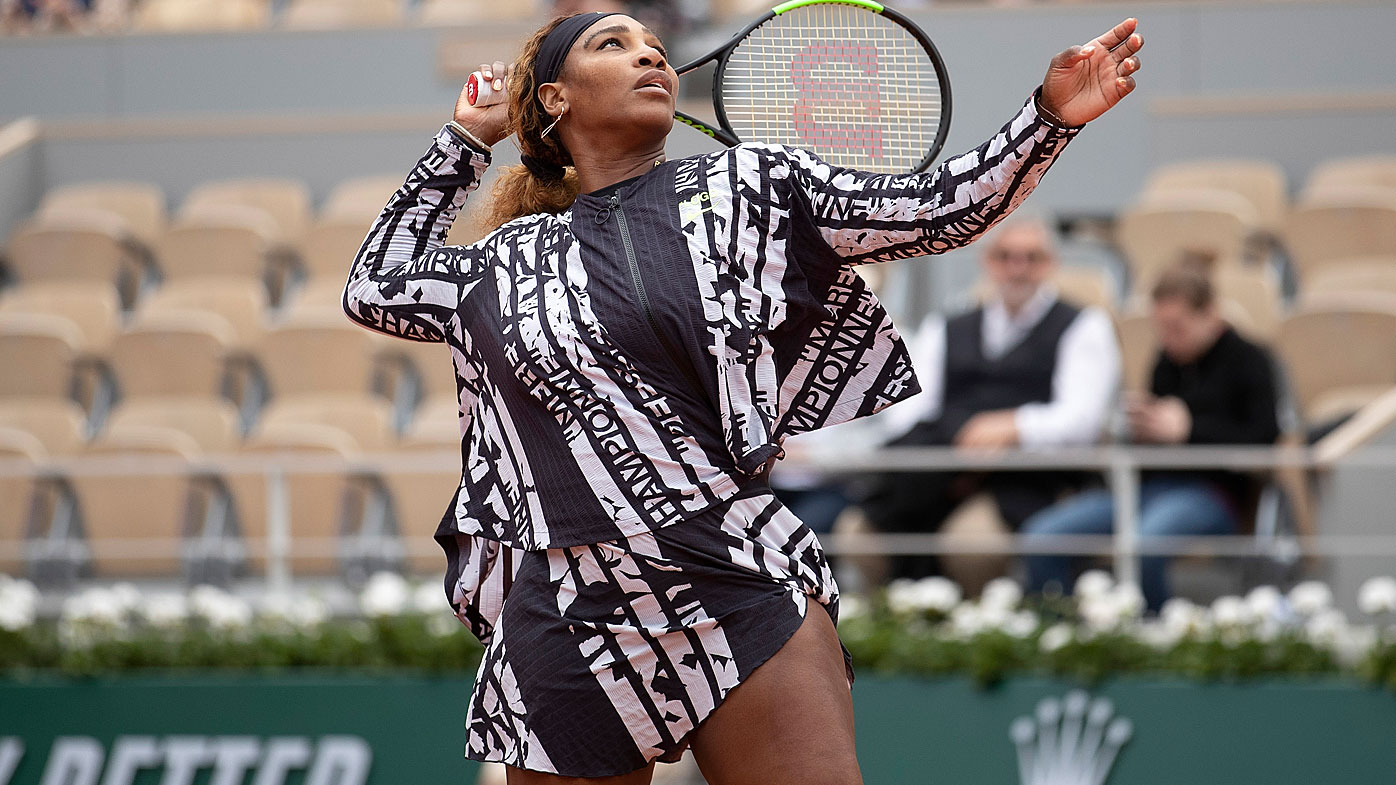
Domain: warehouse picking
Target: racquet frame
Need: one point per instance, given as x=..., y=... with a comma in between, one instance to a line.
x=723, y=132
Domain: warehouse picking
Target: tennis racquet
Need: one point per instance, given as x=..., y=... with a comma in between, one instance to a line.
x=853, y=81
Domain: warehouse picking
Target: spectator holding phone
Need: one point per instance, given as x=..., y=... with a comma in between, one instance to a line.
x=1209, y=386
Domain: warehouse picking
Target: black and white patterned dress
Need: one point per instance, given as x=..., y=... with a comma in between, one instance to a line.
x=627, y=370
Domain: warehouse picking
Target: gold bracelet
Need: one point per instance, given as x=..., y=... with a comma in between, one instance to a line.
x=469, y=137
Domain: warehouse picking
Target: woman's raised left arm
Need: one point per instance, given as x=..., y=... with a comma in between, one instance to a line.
x=869, y=217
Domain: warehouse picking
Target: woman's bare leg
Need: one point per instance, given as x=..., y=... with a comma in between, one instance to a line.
x=790, y=722
x=522, y=777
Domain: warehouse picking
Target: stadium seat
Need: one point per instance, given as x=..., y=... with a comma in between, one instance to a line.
x=241, y=302
x=360, y=198
x=16, y=495
x=1254, y=291
x=1262, y=183
x=1138, y=350
x=140, y=205
x=333, y=14
x=1340, y=350
x=91, y=306
x=74, y=244
x=1340, y=173
x=1155, y=233
x=329, y=248
x=170, y=369
x=286, y=202
x=1341, y=223
x=321, y=371
x=219, y=241
x=194, y=15
x=1362, y=274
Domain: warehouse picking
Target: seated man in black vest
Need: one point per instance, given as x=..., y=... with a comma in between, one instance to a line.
x=1023, y=370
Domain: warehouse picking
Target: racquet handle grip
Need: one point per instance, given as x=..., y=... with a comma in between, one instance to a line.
x=480, y=91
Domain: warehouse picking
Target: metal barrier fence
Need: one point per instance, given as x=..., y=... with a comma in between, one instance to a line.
x=1121, y=466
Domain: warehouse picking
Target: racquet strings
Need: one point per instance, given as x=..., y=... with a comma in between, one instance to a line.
x=856, y=88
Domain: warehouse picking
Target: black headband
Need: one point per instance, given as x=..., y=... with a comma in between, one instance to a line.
x=557, y=44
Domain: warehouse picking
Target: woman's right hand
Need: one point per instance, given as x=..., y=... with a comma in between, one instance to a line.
x=488, y=123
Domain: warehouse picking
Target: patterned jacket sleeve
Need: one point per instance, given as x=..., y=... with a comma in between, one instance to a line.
x=868, y=217
x=404, y=281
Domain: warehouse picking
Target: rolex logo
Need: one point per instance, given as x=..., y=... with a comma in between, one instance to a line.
x=1070, y=741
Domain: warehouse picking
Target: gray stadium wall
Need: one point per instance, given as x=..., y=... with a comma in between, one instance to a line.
x=1296, y=82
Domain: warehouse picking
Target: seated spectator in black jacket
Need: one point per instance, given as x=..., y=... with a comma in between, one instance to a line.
x=1024, y=370
x=1209, y=386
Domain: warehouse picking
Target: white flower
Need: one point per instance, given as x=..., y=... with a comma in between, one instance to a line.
x=937, y=594
x=1002, y=593
x=1161, y=635
x=1352, y=644
x=430, y=600
x=1377, y=595
x=1021, y=624
x=928, y=594
x=127, y=596
x=1093, y=583
x=1129, y=600
x=94, y=606
x=1230, y=611
x=385, y=594
x=1111, y=608
x=19, y=601
x=1265, y=602
x=1310, y=597
x=968, y=620
x=166, y=609
x=301, y=610
x=220, y=609
x=1055, y=637
x=1326, y=627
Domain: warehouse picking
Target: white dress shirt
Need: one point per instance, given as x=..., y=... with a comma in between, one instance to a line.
x=1084, y=383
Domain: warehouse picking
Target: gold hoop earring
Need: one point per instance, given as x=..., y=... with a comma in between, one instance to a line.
x=549, y=129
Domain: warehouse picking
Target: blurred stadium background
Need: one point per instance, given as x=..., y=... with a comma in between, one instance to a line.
x=183, y=184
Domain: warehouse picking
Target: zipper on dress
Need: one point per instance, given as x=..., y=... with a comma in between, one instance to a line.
x=613, y=206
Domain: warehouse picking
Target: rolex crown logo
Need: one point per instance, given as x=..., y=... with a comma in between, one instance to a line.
x=1069, y=741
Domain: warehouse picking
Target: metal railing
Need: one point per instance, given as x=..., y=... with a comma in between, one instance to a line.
x=1121, y=465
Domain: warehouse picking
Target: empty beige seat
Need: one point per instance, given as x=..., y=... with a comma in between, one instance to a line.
x=320, y=370
x=219, y=242
x=360, y=198
x=1255, y=292
x=1341, y=173
x=1362, y=274
x=286, y=202
x=140, y=205
x=1340, y=351
x=1341, y=224
x=72, y=244
x=1156, y=233
x=332, y=14
x=1085, y=286
x=195, y=15
x=330, y=247
x=170, y=368
x=241, y=302
x=37, y=352
x=1138, y=350
x=16, y=495
x=330, y=427
x=91, y=306
x=1261, y=183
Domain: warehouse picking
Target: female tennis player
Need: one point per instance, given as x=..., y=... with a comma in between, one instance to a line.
x=631, y=345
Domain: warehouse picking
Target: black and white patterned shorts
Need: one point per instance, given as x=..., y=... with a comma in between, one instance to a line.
x=607, y=656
